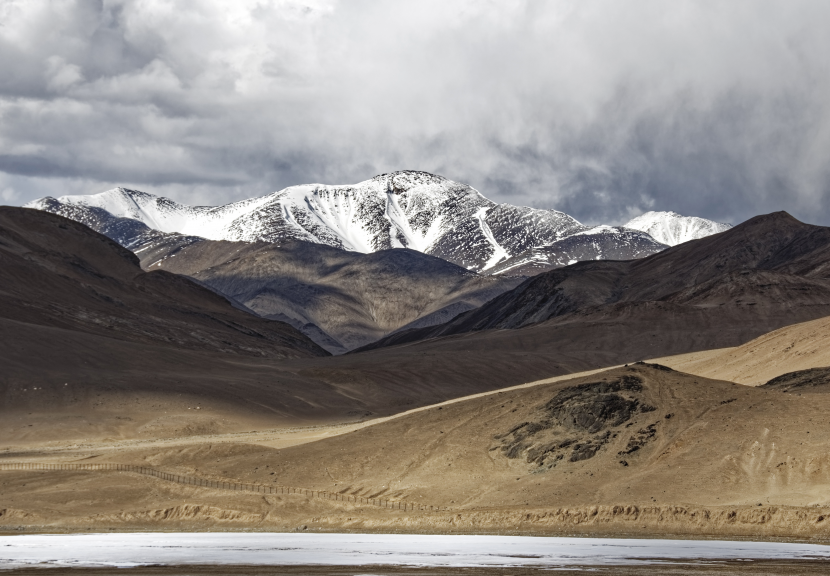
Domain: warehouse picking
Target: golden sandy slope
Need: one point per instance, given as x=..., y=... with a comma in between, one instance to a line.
x=632, y=450
x=797, y=347
x=279, y=437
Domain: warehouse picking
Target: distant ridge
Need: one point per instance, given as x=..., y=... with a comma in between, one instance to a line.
x=339, y=299
x=406, y=209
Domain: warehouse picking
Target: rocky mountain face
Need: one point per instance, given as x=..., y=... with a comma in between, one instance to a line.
x=672, y=229
x=407, y=209
x=773, y=265
x=599, y=243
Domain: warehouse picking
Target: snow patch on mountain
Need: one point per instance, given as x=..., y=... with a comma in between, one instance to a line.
x=672, y=229
x=499, y=253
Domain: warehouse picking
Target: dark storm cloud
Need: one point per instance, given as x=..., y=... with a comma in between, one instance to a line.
x=601, y=109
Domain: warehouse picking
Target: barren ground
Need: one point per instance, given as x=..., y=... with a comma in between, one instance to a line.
x=664, y=453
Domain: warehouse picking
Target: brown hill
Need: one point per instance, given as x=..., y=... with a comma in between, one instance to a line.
x=60, y=274
x=640, y=434
x=793, y=348
x=353, y=298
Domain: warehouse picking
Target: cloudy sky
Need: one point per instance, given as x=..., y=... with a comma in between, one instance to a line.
x=603, y=109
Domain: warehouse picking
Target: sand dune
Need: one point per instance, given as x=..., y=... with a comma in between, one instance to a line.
x=789, y=349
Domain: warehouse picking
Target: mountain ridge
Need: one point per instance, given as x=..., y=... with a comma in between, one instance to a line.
x=404, y=209
x=60, y=273
x=772, y=254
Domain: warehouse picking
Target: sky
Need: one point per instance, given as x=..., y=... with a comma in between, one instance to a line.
x=601, y=109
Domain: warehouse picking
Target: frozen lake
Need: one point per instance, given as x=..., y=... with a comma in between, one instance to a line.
x=123, y=550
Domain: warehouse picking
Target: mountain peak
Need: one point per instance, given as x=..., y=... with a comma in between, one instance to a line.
x=404, y=180
x=781, y=216
x=671, y=228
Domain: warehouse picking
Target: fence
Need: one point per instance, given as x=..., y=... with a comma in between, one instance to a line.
x=227, y=485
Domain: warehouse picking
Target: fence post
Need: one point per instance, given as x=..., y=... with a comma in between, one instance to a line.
x=203, y=482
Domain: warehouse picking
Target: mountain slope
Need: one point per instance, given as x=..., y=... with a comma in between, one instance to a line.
x=60, y=273
x=672, y=229
x=599, y=243
x=794, y=348
x=773, y=263
x=352, y=298
x=641, y=434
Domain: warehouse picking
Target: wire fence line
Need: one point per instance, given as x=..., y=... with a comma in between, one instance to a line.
x=226, y=485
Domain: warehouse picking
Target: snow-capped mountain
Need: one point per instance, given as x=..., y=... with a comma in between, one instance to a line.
x=406, y=209
x=671, y=228
x=599, y=243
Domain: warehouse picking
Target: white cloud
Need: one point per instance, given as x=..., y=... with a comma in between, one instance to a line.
x=600, y=108
x=60, y=75
x=8, y=196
